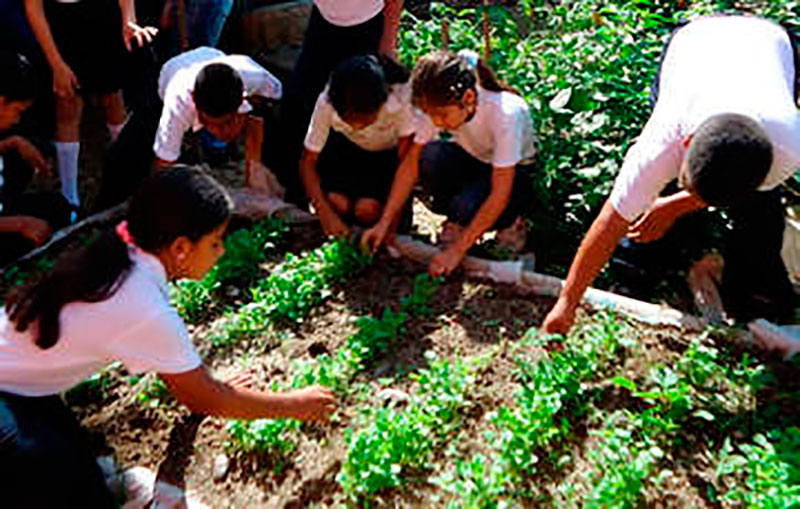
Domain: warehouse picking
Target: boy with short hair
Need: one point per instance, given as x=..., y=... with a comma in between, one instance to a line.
x=26, y=220
x=725, y=125
x=207, y=88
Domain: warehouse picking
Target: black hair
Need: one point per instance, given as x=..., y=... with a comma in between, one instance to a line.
x=360, y=84
x=441, y=78
x=177, y=202
x=728, y=158
x=18, y=79
x=218, y=90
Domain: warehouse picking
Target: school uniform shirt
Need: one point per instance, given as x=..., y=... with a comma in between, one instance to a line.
x=395, y=120
x=346, y=13
x=727, y=64
x=175, y=86
x=500, y=133
x=136, y=325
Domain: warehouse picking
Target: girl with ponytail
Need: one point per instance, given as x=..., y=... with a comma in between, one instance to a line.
x=110, y=302
x=479, y=179
x=360, y=129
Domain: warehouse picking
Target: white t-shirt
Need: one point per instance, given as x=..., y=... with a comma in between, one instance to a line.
x=345, y=13
x=395, y=120
x=175, y=86
x=136, y=326
x=500, y=133
x=728, y=64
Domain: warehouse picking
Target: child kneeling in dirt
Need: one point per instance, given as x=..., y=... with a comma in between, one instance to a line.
x=26, y=219
x=207, y=88
x=110, y=302
x=480, y=179
x=348, y=172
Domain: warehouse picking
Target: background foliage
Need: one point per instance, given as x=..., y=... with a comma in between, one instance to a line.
x=585, y=67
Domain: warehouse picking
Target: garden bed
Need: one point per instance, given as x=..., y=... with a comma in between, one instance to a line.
x=450, y=397
x=434, y=412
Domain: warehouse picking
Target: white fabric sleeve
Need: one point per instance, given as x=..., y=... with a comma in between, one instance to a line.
x=650, y=164
x=256, y=79
x=177, y=117
x=160, y=344
x=407, y=123
x=320, y=125
x=509, y=135
x=424, y=130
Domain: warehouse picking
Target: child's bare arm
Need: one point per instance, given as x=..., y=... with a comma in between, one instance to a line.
x=402, y=186
x=332, y=224
x=502, y=183
x=391, y=25
x=253, y=138
x=204, y=394
x=32, y=228
x=490, y=210
x=130, y=26
x=64, y=80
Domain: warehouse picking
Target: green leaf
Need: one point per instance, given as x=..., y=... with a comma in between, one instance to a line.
x=624, y=382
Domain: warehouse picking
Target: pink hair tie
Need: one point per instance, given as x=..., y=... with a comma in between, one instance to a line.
x=123, y=233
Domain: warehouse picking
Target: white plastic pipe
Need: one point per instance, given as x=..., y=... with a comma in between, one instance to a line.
x=550, y=286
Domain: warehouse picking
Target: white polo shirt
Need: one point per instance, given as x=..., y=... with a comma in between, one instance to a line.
x=500, y=133
x=176, y=83
x=136, y=326
x=395, y=120
x=345, y=13
x=715, y=65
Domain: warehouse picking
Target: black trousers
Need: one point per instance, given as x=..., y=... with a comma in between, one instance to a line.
x=45, y=459
x=324, y=47
x=130, y=159
x=458, y=184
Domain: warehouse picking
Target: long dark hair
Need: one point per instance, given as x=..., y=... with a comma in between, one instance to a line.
x=177, y=202
x=360, y=84
x=441, y=78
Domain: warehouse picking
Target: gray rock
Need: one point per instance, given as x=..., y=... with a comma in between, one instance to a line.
x=221, y=466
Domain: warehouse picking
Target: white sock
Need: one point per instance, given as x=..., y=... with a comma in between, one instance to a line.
x=67, y=154
x=114, y=130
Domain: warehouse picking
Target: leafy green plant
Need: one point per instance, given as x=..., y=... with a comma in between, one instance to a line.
x=294, y=289
x=277, y=436
x=272, y=437
x=765, y=473
x=396, y=443
x=245, y=250
x=379, y=456
x=551, y=393
x=192, y=299
x=622, y=460
x=151, y=391
x=475, y=484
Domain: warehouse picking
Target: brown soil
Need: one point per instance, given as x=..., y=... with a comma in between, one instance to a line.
x=469, y=318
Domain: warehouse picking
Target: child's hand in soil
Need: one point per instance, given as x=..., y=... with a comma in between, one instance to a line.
x=560, y=319
x=312, y=403
x=332, y=224
x=373, y=238
x=446, y=262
